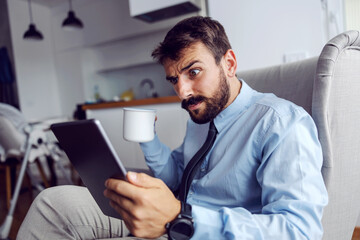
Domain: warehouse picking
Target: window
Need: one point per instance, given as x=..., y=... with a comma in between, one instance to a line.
x=352, y=14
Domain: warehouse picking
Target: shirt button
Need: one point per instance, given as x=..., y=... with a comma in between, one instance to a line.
x=191, y=192
x=203, y=170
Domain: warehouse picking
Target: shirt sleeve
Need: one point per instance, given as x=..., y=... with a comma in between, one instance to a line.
x=293, y=192
x=165, y=164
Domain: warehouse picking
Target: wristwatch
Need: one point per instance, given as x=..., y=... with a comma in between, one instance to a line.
x=182, y=227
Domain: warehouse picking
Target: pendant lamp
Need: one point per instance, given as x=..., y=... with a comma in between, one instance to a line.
x=32, y=33
x=72, y=22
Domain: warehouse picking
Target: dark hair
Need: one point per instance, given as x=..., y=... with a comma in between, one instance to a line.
x=191, y=30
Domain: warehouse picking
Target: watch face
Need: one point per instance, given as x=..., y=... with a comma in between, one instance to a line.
x=181, y=229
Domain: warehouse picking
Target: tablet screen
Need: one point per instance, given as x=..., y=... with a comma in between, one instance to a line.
x=92, y=155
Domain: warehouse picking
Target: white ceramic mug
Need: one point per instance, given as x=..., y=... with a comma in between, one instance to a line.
x=139, y=124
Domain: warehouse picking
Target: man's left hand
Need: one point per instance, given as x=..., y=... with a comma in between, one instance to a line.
x=145, y=203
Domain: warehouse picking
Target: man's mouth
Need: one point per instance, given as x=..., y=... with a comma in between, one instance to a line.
x=194, y=106
x=192, y=103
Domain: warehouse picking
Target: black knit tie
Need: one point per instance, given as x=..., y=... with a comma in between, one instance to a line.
x=195, y=163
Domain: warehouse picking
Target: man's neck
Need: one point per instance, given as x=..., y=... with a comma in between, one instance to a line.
x=235, y=88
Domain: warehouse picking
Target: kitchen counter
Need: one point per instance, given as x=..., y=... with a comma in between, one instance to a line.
x=132, y=103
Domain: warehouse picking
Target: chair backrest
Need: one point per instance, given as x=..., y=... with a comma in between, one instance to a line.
x=12, y=131
x=336, y=111
x=327, y=87
x=13, y=114
x=11, y=139
x=291, y=81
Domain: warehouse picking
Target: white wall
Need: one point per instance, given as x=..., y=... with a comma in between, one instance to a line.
x=35, y=69
x=262, y=32
x=122, y=65
x=71, y=80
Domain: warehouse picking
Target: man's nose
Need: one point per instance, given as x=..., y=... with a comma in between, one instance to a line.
x=184, y=88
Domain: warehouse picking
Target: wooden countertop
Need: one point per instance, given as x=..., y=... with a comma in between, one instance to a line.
x=137, y=102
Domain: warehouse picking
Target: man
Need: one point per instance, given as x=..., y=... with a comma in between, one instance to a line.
x=260, y=179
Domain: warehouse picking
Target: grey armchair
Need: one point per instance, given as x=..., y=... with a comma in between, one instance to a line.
x=328, y=87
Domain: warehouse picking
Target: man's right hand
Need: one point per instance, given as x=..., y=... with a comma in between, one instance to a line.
x=145, y=203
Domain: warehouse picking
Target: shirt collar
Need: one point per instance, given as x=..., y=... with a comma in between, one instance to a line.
x=240, y=104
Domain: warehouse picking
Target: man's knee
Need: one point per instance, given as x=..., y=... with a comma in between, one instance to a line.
x=59, y=198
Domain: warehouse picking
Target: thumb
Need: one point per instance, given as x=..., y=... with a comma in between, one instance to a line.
x=141, y=180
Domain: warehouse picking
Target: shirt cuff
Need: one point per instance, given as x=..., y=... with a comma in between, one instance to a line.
x=151, y=148
x=206, y=223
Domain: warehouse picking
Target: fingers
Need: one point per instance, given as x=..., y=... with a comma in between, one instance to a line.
x=126, y=215
x=122, y=188
x=136, y=187
x=144, y=202
x=124, y=202
x=142, y=180
x=119, y=203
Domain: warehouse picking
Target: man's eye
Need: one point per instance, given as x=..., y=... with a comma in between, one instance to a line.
x=172, y=80
x=194, y=72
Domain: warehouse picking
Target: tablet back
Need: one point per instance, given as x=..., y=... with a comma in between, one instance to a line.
x=92, y=155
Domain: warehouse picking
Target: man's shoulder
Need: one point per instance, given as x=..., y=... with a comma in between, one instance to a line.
x=278, y=106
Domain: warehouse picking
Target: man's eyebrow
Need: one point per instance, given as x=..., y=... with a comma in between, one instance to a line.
x=171, y=78
x=188, y=66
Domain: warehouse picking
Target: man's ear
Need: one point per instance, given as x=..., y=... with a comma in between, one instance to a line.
x=230, y=63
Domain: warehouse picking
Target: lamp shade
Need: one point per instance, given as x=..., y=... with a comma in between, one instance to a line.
x=32, y=33
x=72, y=22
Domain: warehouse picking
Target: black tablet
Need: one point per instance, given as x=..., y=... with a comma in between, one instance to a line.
x=92, y=155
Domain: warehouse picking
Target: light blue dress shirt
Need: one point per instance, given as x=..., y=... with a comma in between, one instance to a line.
x=261, y=179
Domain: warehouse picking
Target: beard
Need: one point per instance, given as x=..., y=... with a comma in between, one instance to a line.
x=213, y=105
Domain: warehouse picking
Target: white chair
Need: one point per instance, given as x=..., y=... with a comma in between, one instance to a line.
x=328, y=88
x=21, y=144
x=15, y=146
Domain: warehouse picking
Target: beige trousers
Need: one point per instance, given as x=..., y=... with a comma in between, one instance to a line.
x=70, y=212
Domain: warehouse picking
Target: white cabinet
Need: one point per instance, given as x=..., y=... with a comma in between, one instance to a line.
x=138, y=7
x=170, y=127
x=157, y=10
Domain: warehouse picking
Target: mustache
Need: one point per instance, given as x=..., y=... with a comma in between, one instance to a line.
x=192, y=101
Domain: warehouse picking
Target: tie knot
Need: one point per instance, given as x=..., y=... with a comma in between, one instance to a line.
x=212, y=126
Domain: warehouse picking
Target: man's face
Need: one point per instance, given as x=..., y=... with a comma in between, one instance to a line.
x=200, y=83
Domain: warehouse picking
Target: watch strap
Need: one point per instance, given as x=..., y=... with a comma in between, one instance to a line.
x=185, y=210
x=182, y=226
